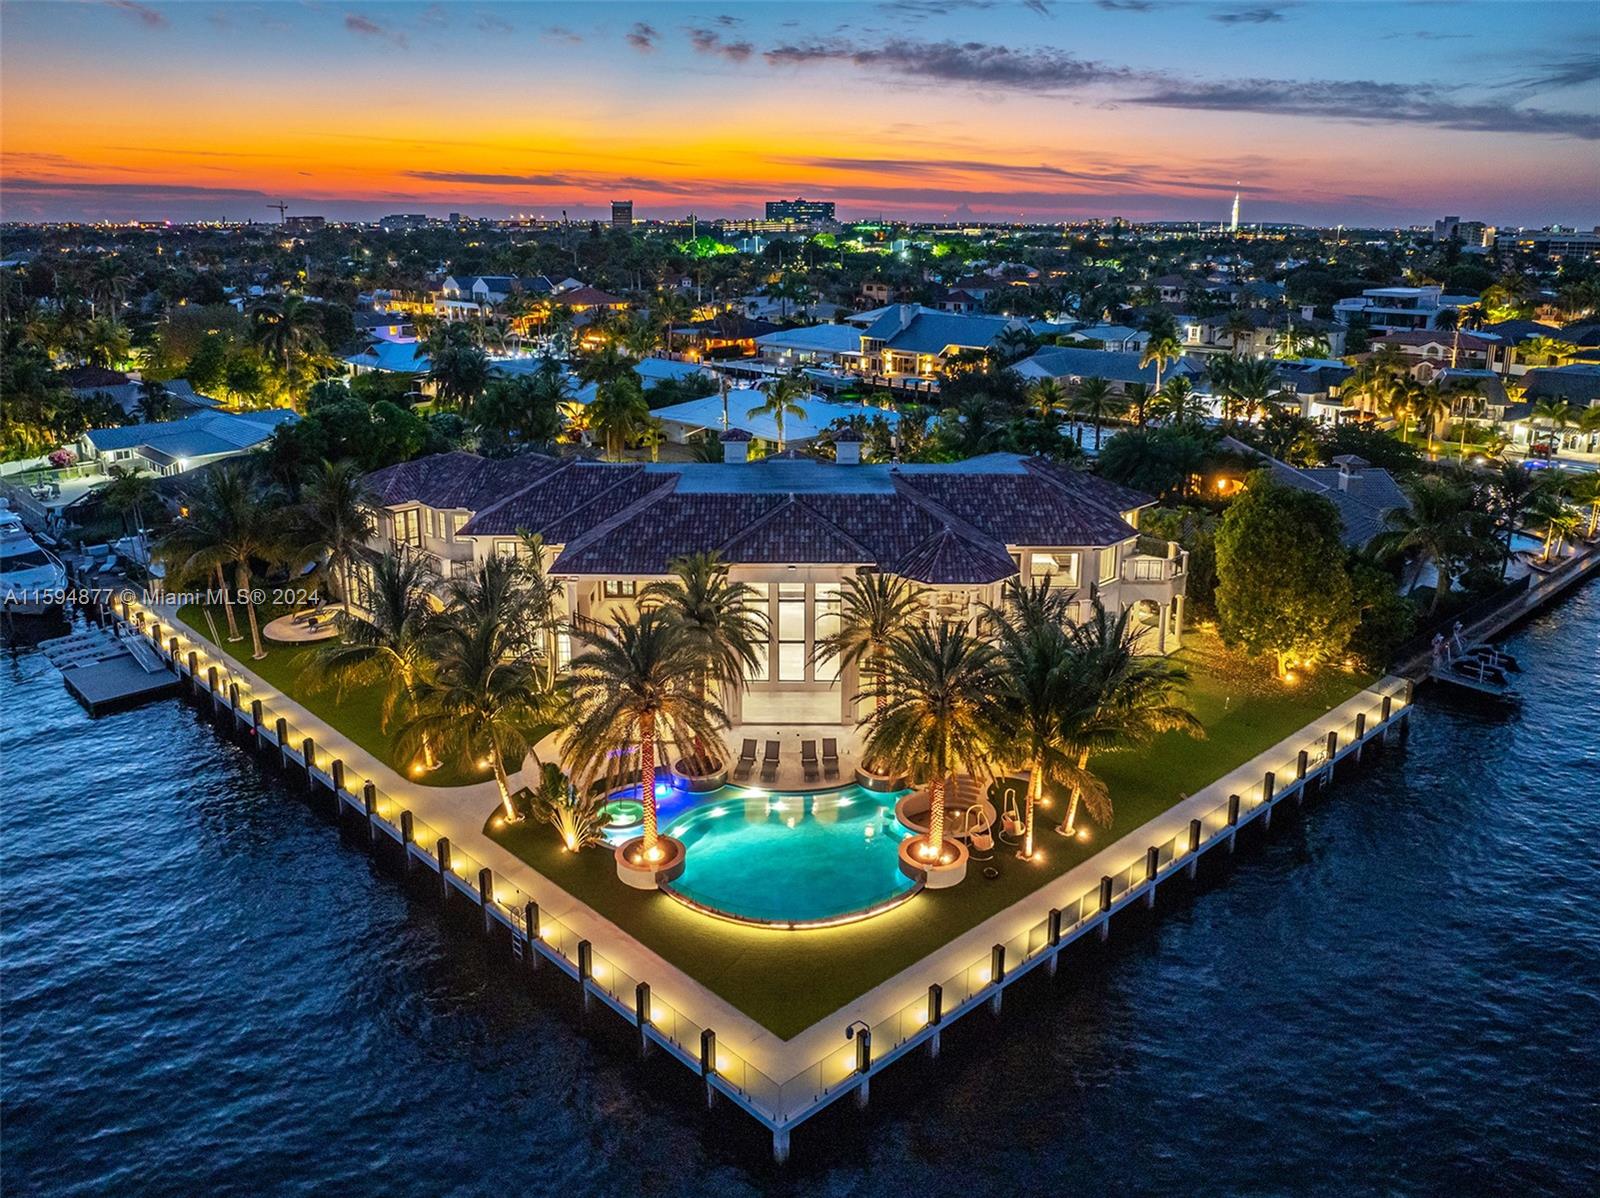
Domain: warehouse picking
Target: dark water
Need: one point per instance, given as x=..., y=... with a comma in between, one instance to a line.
x=205, y=992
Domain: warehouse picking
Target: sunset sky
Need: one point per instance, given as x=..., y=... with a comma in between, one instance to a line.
x=1358, y=113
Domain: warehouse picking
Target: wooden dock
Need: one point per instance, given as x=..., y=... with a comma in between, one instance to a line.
x=108, y=670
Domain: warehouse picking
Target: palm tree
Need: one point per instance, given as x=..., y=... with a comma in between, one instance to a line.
x=721, y=622
x=1140, y=401
x=459, y=373
x=935, y=713
x=1430, y=405
x=1123, y=699
x=155, y=401
x=1514, y=489
x=1047, y=398
x=1162, y=348
x=334, y=519
x=1557, y=413
x=1177, y=401
x=618, y=414
x=783, y=396
x=1434, y=527
x=388, y=646
x=1247, y=385
x=1453, y=320
x=1095, y=401
x=109, y=280
x=1559, y=521
x=545, y=596
x=288, y=327
x=670, y=308
x=873, y=610
x=608, y=365
x=1237, y=326
x=479, y=702
x=1038, y=696
x=1585, y=489
x=230, y=523
x=634, y=685
x=1398, y=401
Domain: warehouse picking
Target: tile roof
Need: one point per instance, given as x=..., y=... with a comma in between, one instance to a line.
x=195, y=436
x=1035, y=508
x=1117, y=366
x=553, y=496
x=457, y=480
x=1576, y=384
x=952, y=559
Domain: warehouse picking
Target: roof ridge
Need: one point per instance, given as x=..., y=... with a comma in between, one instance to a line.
x=668, y=484
x=562, y=466
x=795, y=501
x=903, y=486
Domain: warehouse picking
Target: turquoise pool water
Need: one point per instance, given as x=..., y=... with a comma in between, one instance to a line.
x=790, y=858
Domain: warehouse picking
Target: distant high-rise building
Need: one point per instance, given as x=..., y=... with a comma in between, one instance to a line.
x=622, y=214
x=1233, y=221
x=801, y=212
x=304, y=224
x=404, y=220
x=1470, y=233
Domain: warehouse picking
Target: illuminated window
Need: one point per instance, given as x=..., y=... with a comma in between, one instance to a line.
x=1060, y=568
x=408, y=528
x=791, y=632
x=825, y=623
x=759, y=671
x=620, y=588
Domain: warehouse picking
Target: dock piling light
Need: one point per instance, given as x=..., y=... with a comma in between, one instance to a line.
x=585, y=969
x=641, y=1015
x=708, y=1062
x=1194, y=847
x=486, y=895
x=1152, y=863
x=443, y=850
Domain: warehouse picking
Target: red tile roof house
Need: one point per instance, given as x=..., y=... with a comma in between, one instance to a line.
x=794, y=529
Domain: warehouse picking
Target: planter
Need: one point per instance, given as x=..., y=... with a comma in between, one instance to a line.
x=633, y=869
x=869, y=779
x=701, y=783
x=935, y=875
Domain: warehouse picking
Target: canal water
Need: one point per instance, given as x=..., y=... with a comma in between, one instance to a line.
x=206, y=992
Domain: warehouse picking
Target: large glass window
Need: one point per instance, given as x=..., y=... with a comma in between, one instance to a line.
x=791, y=632
x=758, y=672
x=825, y=623
x=620, y=588
x=1108, y=564
x=408, y=528
x=1060, y=568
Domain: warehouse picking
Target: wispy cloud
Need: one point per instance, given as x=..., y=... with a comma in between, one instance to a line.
x=143, y=13
x=485, y=180
x=643, y=37
x=1045, y=68
x=560, y=33
x=365, y=26
x=1262, y=15
x=491, y=24
x=1128, y=5
x=709, y=41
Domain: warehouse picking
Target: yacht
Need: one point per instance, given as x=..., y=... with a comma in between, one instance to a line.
x=32, y=578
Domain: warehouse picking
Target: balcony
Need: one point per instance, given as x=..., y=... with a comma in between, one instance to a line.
x=1156, y=570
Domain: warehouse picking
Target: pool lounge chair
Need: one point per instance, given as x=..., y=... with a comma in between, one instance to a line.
x=769, y=763
x=808, y=760
x=747, y=760
x=830, y=757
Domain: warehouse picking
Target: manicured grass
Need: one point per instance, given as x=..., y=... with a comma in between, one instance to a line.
x=787, y=981
x=354, y=712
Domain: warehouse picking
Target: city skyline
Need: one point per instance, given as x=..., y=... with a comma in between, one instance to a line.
x=921, y=110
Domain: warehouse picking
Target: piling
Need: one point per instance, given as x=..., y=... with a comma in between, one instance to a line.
x=997, y=975
x=1269, y=787
x=1152, y=863
x=282, y=729
x=1361, y=733
x=486, y=896
x=585, y=969
x=708, y=1063
x=1333, y=751
x=641, y=1015
x=864, y=1065
x=530, y=924
x=1105, y=907
x=936, y=1014
x=211, y=685
x=1053, y=932
x=443, y=850
x=369, y=802
x=1233, y=822
x=255, y=721
x=1194, y=848
x=308, y=750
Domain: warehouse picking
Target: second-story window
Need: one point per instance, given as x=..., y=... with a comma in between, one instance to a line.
x=1108, y=564
x=1060, y=568
x=619, y=588
x=408, y=527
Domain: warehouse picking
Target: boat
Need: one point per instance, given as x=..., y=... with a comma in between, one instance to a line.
x=1482, y=651
x=32, y=578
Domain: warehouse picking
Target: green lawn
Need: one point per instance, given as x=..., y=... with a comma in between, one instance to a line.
x=787, y=981
x=355, y=712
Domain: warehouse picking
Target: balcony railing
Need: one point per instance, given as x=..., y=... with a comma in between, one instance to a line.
x=1145, y=566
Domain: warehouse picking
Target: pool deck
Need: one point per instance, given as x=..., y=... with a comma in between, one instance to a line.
x=781, y=1082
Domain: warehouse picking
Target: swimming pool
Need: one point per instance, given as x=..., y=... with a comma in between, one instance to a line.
x=790, y=859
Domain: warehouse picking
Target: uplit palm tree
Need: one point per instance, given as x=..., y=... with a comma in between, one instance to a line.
x=1559, y=521
x=1434, y=527
x=288, y=328
x=1556, y=414
x=1163, y=348
x=1514, y=489
x=1429, y=405
x=1039, y=697
x=935, y=714
x=479, y=703
x=1177, y=402
x=634, y=685
x=617, y=415
x=721, y=621
x=1095, y=401
x=1123, y=699
x=387, y=646
x=1047, y=398
x=1247, y=385
x=783, y=396
x=545, y=597
x=873, y=610
x=334, y=519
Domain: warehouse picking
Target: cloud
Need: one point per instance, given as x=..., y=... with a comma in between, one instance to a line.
x=976, y=63
x=1128, y=5
x=481, y=180
x=560, y=33
x=367, y=27
x=709, y=41
x=726, y=21
x=643, y=37
x=1369, y=102
x=143, y=13
x=491, y=24
x=917, y=10
x=1572, y=72
x=1249, y=16
x=1119, y=175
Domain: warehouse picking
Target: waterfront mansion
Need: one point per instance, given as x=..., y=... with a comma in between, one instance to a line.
x=793, y=528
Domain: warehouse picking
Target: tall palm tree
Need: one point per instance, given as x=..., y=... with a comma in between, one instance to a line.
x=1177, y=402
x=1398, y=401
x=388, y=646
x=1559, y=521
x=545, y=596
x=1140, y=400
x=719, y=619
x=783, y=396
x=1095, y=401
x=936, y=713
x=670, y=308
x=618, y=414
x=1558, y=414
x=459, y=373
x=1434, y=527
x=289, y=327
x=634, y=685
x=1247, y=385
x=109, y=281
x=479, y=701
x=1047, y=398
x=1430, y=405
x=1238, y=326
x=1039, y=697
x=1163, y=348
x=1513, y=489
x=873, y=610
x=155, y=401
x=1123, y=699
x=334, y=519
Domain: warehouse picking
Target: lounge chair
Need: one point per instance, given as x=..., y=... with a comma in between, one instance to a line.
x=808, y=760
x=769, y=763
x=747, y=760
x=980, y=834
x=830, y=757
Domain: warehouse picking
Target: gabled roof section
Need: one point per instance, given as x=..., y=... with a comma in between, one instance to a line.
x=1027, y=508
x=795, y=532
x=948, y=558
x=571, y=488
x=457, y=480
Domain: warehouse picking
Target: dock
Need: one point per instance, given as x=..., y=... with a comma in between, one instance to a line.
x=110, y=670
